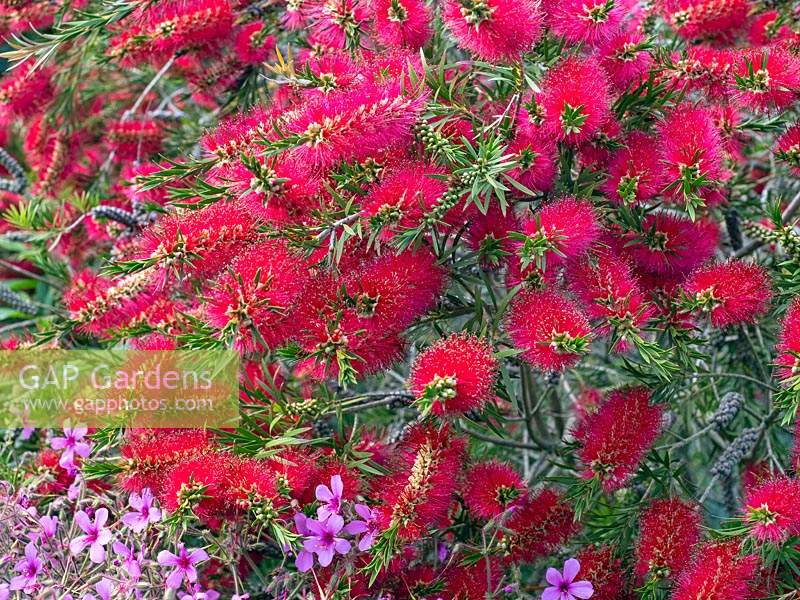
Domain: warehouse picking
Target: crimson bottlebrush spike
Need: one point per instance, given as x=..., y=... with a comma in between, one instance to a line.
x=788, y=347
x=418, y=492
x=455, y=375
x=575, y=100
x=494, y=30
x=604, y=571
x=610, y=294
x=772, y=510
x=550, y=330
x=24, y=90
x=579, y=21
x=730, y=293
x=135, y=140
x=199, y=242
x=402, y=23
x=338, y=23
x=719, y=572
x=766, y=79
x=706, y=18
x=353, y=125
x=535, y=154
x=253, y=43
x=251, y=301
x=491, y=488
x=691, y=152
x=150, y=453
x=625, y=59
x=488, y=236
x=562, y=230
x=542, y=522
x=635, y=174
x=788, y=148
x=668, y=531
x=767, y=28
x=403, y=198
x=613, y=446
x=201, y=486
x=670, y=244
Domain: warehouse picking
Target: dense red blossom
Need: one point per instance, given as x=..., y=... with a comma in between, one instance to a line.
x=455, y=375
x=718, y=572
x=536, y=155
x=201, y=484
x=731, y=292
x=418, y=492
x=402, y=23
x=600, y=567
x=668, y=532
x=575, y=100
x=788, y=148
x=24, y=90
x=788, y=347
x=706, y=18
x=624, y=59
x=494, y=30
x=635, y=173
x=251, y=301
x=619, y=435
x=135, y=139
x=491, y=488
x=772, y=509
x=541, y=523
x=592, y=22
x=767, y=79
x=551, y=330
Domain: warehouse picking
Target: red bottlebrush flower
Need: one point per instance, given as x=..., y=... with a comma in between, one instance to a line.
x=471, y=582
x=551, y=330
x=691, y=151
x=672, y=244
x=250, y=302
x=135, y=140
x=618, y=436
x=575, y=100
x=635, y=174
x=253, y=45
x=238, y=133
x=201, y=484
x=536, y=155
x=491, y=488
x=767, y=79
x=562, y=230
x=540, y=524
x=403, y=198
x=488, y=235
x=494, y=30
x=717, y=573
x=393, y=290
x=353, y=125
x=732, y=292
x=23, y=90
x=200, y=242
x=788, y=347
x=149, y=454
x=625, y=59
x=693, y=19
x=189, y=24
x=772, y=509
x=788, y=148
x=610, y=293
x=338, y=23
x=455, y=375
x=579, y=21
x=603, y=571
x=767, y=28
x=254, y=485
x=669, y=530
x=296, y=474
x=402, y=23
x=425, y=475
x=705, y=68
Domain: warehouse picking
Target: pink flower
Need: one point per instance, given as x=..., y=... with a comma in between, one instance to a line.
x=72, y=443
x=184, y=563
x=97, y=535
x=104, y=588
x=49, y=527
x=330, y=497
x=144, y=511
x=28, y=569
x=323, y=539
x=131, y=561
x=564, y=587
x=368, y=526
x=304, y=559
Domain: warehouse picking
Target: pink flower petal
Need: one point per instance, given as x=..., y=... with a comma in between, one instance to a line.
x=581, y=589
x=571, y=568
x=553, y=576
